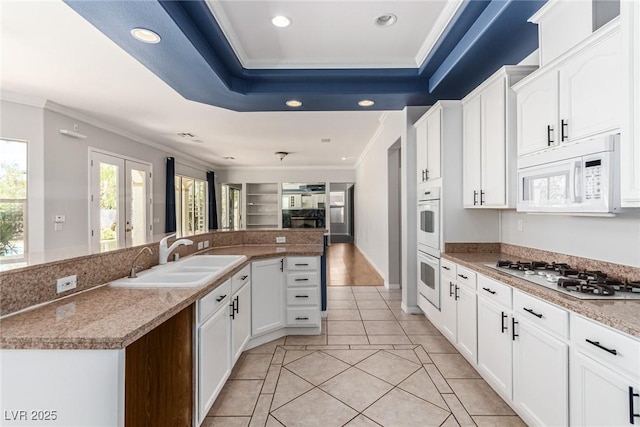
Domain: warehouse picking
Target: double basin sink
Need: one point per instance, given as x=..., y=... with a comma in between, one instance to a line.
x=190, y=272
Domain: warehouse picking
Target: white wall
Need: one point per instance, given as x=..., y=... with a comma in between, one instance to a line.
x=614, y=240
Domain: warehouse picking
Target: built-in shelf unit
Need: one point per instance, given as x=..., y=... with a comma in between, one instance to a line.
x=262, y=207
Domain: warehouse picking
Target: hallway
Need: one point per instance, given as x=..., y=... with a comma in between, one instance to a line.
x=347, y=266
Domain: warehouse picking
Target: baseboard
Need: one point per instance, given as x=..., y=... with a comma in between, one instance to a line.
x=410, y=310
x=391, y=286
x=283, y=332
x=375, y=267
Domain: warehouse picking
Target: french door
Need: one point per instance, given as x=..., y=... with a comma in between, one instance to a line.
x=120, y=205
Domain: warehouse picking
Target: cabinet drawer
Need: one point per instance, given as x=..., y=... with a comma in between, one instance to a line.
x=494, y=291
x=303, y=279
x=215, y=299
x=448, y=268
x=302, y=296
x=466, y=277
x=302, y=263
x=612, y=348
x=303, y=316
x=240, y=278
x=541, y=313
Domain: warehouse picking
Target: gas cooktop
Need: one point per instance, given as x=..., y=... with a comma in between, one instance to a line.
x=563, y=278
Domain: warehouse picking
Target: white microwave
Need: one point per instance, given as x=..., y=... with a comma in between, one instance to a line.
x=581, y=178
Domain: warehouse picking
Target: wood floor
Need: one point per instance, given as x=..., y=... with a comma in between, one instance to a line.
x=346, y=266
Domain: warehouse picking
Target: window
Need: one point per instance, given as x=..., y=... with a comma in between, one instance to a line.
x=13, y=200
x=191, y=206
x=336, y=200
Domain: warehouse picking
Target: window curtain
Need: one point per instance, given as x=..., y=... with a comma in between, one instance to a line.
x=213, y=209
x=170, y=203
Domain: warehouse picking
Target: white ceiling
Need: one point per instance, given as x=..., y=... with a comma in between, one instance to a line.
x=49, y=51
x=332, y=34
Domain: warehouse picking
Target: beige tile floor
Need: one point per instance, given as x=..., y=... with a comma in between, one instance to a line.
x=373, y=365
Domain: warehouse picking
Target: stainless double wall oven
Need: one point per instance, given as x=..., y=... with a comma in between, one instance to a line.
x=429, y=244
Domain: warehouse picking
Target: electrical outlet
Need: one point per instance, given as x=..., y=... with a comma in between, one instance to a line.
x=281, y=239
x=66, y=283
x=520, y=225
x=200, y=245
x=206, y=243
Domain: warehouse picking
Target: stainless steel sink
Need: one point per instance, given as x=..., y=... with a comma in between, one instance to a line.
x=190, y=272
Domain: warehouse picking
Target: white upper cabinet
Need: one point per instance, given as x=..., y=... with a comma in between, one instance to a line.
x=489, y=137
x=576, y=96
x=428, y=144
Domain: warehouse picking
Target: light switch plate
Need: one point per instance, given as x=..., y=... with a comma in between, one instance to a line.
x=281, y=239
x=200, y=245
x=206, y=243
x=66, y=283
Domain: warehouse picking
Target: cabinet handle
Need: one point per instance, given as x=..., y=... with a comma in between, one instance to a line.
x=463, y=276
x=426, y=174
x=489, y=290
x=302, y=280
x=601, y=347
x=530, y=311
x=233, y=311
x=632, y=412
x=446, y=268
x=302, y=318
x=423, y=177
x=302, y=296
x=475, y=197
x=549, y=140
x=563, y=136
x=450, y=289
x=237, y=303
x=243, y=278
x=456, y=297
x=502, y=325
x=282, y=264
x=514, y=322
x=301, y=265
x=221, y=297
x=481, y=197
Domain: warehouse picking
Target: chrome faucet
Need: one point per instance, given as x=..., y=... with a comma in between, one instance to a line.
x=165, y=251
x=134, y=268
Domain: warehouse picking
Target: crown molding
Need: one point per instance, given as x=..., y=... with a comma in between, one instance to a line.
x=448, y=12
x=32, y=101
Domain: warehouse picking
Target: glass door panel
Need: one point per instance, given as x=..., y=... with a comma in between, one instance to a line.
x=138, y=218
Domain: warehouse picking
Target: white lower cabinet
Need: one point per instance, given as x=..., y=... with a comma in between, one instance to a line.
x=495, y=360
x=449, y=310
x=466, y=323
x=240, y=320
x=267, y=296
x=303, y=291
x=540, y=375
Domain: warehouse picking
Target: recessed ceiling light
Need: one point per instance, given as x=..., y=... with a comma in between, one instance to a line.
x=294, y=103
x=343, y=158
x=281, y=21
x=366, y=103
x=146, y=36
x=386, y=20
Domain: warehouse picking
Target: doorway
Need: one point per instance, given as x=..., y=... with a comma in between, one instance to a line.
x=394, y=190
x=120, y=205
x=341, y=212
x=230, y=203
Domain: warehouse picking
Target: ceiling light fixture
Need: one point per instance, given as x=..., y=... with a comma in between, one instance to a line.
x=386, y=20
x=229, y=158
x=343, y=158
x=366, y=103
x=72, y=133
x=145, y=35
x=294, y=103
x=281, y=21
x=281, y=154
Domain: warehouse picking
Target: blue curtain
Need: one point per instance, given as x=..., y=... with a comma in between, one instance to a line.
x=170, y=203
x=213, y=210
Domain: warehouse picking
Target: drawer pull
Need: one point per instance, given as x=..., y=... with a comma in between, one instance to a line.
x=243, y=278
x=463, y=276
x=302, y=265
x=502, y=325
x=489, y=290
x=302, y=318
x=302, y=296
x=632, y=412
x=601, y=347
x=446, y=268
x=456, y=296
x=221, y=297
x=302, y=280
x=514, y=322
x=530, y=311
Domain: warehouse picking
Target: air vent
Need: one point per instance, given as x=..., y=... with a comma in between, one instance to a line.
x=325, y=140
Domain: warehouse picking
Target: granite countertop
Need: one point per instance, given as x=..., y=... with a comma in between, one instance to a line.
x=623, y=315
x=112, y=318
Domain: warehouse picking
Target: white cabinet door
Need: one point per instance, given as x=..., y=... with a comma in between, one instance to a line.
x=591, y=91
x=421, y=152
x=600, y=396
x=434, y=140
x=540, y=376
x=448, y=314
x=471, y=152
x=537, y=105
x=214, y=359
x=494, y=149
x=494, y=346
x=467, y=323
x=240, y=320
x=267, y=296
